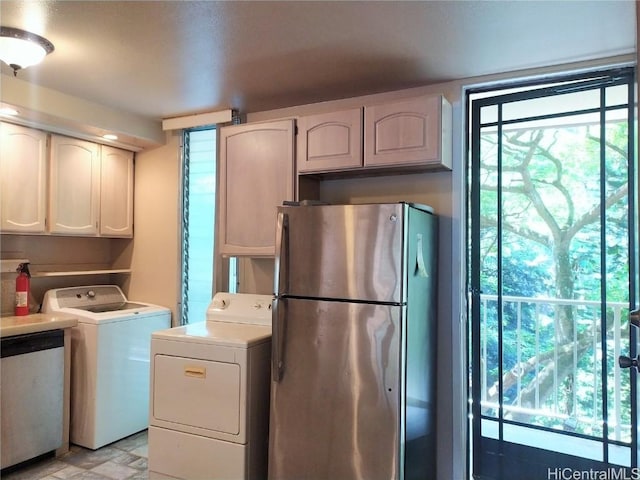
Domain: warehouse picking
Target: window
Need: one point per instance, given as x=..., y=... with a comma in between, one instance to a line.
x=198, y=223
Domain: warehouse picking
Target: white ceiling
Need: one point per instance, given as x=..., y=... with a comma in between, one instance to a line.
x=161, y=59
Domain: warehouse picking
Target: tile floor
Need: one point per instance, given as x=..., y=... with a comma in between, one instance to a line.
x=125, y=459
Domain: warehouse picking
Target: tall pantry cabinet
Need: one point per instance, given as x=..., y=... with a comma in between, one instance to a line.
x=256, y=175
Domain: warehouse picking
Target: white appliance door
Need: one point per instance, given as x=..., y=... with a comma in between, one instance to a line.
x=202, y=393
x=335, y=411
x=31, y=395
x=341, y=252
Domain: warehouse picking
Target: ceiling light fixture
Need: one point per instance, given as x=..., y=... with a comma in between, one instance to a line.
x=21, y=49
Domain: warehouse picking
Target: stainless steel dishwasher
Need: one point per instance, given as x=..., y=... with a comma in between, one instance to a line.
x=31, y=395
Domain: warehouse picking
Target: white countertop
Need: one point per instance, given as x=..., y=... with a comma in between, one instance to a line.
x=36, y=322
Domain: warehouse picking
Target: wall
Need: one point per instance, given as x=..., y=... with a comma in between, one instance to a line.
x=155, y=254
x=255, y=275
x=57, y=112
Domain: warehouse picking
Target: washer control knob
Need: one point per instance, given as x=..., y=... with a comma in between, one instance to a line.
x=219, y=303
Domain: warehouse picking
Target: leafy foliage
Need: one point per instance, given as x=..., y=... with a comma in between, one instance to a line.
x=554, y=225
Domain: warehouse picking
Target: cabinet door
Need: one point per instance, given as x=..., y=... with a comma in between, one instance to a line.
x=406, y=132
x=23, y=173
x=74, y=186
x=116, y=192
x=256, y=175
x=330, y=141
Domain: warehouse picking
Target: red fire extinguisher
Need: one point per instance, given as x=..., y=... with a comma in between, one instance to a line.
x=22, y=289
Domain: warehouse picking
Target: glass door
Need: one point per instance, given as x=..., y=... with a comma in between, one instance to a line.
x=550, y=277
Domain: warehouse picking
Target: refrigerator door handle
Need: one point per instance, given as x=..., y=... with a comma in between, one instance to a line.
x=277, y=339
x=280, y=286
x=282, y=225
x=421, y=268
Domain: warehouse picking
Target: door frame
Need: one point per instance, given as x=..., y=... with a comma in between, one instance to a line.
x=507, y=457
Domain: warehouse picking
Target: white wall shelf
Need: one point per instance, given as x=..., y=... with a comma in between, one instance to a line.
x=72, y=273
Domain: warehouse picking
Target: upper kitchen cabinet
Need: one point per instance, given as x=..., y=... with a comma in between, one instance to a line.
x=256, y=175
x=23, y=173
x=413, y=132
x=116, y=192
x=330, y=141
x=395, y=136
x=74, y=186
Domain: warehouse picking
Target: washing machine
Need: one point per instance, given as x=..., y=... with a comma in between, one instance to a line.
x=110, y=360
x=210, y=380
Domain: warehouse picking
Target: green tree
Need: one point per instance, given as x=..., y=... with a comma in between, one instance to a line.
x=550, y=193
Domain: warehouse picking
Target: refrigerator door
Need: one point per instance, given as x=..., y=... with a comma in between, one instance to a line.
x=335, y=410
x=352, y=252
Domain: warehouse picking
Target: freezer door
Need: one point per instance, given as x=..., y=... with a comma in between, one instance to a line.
x=341, y=252
x=335, y=409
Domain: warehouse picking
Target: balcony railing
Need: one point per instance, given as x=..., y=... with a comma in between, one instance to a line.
x=553, y=362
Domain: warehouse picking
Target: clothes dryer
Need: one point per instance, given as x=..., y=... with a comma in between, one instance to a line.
x=209, y=408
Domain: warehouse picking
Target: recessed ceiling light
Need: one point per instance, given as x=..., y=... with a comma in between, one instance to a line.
x=110, y=136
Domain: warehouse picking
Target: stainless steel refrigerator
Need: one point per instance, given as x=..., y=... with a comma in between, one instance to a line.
x=354, y=343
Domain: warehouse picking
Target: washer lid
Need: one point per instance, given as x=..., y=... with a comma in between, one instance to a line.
x=218, y=333
x=111, y=307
